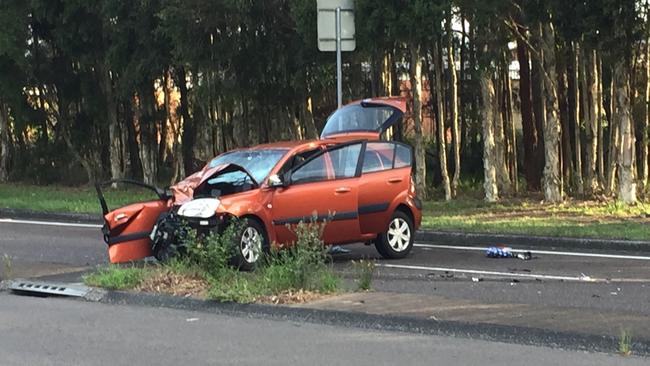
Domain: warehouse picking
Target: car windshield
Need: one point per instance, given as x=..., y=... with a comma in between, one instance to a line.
x=257, y=162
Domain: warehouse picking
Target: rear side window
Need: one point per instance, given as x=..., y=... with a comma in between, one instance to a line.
x=378, y=157
x=385, y=155
x=343, y=160
x=403, y=156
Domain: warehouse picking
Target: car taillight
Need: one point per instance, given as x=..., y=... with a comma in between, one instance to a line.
x=412, y=187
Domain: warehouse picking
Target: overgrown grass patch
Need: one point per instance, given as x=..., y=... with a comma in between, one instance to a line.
x=116, y=277
x=299, y=273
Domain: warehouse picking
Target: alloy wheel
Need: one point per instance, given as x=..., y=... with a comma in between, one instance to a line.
x=399, y=234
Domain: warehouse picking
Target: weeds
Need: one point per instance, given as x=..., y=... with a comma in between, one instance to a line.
x=116, y=278
x=364, y=270
x=625, y=343
x=300, y=271
x=7, y=267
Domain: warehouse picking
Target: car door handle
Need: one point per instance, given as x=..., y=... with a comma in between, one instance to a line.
x=343, y=190
x=394, y=180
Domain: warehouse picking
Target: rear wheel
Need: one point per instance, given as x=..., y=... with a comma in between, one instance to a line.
x=397, y=240
x=250, y=245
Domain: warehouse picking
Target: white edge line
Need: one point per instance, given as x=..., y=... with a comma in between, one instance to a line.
x=547, y=252
x=49, y=223
x=493, y=273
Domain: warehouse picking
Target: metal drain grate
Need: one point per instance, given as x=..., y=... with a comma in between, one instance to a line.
x=49, y=288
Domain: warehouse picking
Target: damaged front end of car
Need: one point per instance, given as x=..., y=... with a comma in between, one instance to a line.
x=160, y=228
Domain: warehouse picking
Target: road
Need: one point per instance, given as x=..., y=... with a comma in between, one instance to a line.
x=67, y=332
x=39, y=249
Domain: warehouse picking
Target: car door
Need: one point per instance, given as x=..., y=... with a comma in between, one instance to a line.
x=385, y=174
x=367, y=119
x=325, y=186
x=127, y=229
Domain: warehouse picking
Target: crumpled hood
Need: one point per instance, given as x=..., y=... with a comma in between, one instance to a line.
x=183, y=191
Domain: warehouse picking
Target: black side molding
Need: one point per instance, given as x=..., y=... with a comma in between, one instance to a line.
x=336, y=217
x=128, y=237
x=374, y=208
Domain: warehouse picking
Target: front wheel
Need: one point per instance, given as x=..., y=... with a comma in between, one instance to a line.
x=250, y=244
x=397, y=240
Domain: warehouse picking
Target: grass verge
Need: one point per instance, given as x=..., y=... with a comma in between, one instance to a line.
x=296, y=274
x=585, y=219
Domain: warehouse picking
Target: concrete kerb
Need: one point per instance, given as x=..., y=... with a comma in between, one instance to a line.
x=482, y=331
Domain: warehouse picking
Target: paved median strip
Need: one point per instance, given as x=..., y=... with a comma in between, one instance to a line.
x=503, y=274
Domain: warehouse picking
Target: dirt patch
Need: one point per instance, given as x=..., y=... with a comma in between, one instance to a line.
x=168, y=282
x=292, y=297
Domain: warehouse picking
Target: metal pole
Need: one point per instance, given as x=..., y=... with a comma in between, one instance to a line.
x=339, y=71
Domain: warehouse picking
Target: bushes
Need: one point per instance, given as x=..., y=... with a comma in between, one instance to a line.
x=303, y=267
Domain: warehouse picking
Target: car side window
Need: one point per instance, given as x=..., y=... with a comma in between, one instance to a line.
x=378, y=156
x=403, y=156
x=343, y=162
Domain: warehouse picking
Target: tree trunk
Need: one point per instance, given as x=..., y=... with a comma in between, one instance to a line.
x=614, y=141
x=552, y=183
x=530, y=133
x=503, y=178
x=115, y=144
x=307, y=118
x=147, y=147
x=416, y=89
x=626, y=173
x=577, y=74
x=511, y=133
x=645, y=126
x=453, y=104
x=590, y=101
x=441, y=129
x=489, y=149
x=4, y=142
x=600, y=114
x=539, y=110
x=189, y=133
x=566, y=162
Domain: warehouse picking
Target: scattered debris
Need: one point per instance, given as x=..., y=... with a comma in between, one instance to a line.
x=337, y=249
x=584, y=277
x=507, y=252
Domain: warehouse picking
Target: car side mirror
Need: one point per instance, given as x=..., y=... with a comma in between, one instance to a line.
x=275, y=181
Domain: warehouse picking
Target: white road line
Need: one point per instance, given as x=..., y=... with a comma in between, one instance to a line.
x=492, y=273
x=547, y=252
x=50, y=223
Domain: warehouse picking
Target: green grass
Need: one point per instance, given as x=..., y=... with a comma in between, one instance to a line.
x=67, y=199
x=588, y=219
x=116, y=278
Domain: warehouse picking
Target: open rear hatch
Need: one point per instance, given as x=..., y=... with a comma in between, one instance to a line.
x=365, y=119
x=127, y=229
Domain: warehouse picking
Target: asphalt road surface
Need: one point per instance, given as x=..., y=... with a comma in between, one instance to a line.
x=47, y=331
x=553, y=278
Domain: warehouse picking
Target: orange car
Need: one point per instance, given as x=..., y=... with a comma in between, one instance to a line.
x=362, y=183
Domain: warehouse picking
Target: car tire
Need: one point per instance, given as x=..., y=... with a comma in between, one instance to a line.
x=250, y=245
x=397, y=240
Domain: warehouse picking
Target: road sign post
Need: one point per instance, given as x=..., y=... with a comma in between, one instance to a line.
x=336, y=33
